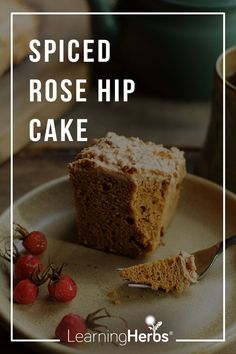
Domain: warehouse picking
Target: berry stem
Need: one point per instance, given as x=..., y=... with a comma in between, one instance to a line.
x=92, y=318
x=21, y=230
x=39, y=278
x=7, y=254
x=56, y=272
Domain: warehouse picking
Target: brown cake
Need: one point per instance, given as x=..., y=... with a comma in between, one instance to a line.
x=170, y=274
x=126, y=192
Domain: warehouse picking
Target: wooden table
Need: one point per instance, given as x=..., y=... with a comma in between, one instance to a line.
x=39, y=163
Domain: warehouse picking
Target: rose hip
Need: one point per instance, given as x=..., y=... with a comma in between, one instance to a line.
x=26, y=265
x=62, y=289
x=73, y=327
x=35, y=242
x=69, y=327
x=25, y=292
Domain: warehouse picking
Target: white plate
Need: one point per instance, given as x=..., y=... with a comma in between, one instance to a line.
x=196, y=314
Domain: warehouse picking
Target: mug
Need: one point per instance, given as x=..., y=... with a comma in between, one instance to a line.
x=211, y=165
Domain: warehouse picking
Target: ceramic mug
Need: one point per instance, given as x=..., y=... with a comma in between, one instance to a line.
x=211, y=165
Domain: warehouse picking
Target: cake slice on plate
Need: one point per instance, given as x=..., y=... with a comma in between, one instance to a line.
x=170, y=274
x=126, y=191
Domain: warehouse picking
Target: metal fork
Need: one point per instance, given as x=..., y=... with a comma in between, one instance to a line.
x=204, y=259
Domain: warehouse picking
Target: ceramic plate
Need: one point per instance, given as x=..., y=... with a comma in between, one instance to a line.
x=196, y=314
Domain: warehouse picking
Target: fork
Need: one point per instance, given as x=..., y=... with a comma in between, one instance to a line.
x=204, y=259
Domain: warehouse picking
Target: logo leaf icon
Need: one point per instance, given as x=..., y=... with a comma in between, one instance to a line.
x=157, y=325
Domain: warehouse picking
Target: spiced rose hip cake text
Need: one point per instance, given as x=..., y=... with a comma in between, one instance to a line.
x=126, y=192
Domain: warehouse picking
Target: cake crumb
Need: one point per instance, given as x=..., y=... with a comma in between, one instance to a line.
x=116, y=302
x=162, y=242
x=114, y=297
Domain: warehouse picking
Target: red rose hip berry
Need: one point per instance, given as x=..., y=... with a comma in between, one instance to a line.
x=25, y=292
x=73, y=327
x=26, y=265
x=70, y=326
x=35, y=243
x=62, y=289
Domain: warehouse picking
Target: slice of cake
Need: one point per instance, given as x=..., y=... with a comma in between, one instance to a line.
x=24, y=29
x=126, y=192
x=170, y=274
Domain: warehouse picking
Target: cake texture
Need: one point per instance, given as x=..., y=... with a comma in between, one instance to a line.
x=173, y=274
x=126, y=192
x=24, y=29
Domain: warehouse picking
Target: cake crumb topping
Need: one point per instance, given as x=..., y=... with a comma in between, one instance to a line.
x=188, y=266
x=132, y=155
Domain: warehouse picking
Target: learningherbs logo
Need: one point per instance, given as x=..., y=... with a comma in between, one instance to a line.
x=121, y=339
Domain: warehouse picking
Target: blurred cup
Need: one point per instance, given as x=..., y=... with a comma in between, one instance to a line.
x=211, y=164
x=172, y=56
